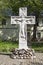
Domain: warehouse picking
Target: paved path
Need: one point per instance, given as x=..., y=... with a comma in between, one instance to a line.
x=6, y=60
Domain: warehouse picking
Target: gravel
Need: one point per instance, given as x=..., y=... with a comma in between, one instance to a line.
x=6, y=60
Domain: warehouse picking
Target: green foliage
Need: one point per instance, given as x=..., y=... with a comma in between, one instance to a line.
x=33, y=5
x=38, y=47
x=7, y=46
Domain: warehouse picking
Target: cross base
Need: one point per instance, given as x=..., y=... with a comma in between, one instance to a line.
x=23, y=54
x=23, y=43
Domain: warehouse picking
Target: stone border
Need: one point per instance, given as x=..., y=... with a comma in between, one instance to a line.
x=5, y=53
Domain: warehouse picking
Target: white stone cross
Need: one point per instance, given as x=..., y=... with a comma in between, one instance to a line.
x=23, y=20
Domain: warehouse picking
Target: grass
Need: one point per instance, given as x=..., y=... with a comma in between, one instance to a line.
x=7, y=46
x=37, y=47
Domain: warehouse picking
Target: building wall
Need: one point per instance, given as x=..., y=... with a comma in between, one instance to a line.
x=40, y=28
x=8, y=31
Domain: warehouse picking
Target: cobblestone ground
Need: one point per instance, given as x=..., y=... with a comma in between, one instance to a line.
x=6, y=60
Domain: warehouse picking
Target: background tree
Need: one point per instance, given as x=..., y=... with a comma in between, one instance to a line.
x=34, y=6
x=3, y=5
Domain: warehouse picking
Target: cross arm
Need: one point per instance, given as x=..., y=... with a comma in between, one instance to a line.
x=30, y=20
x=15, y=19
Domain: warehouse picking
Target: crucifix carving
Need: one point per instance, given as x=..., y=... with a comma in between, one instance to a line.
x=23, y=20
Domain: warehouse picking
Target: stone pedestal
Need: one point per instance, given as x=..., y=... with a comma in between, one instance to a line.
x=23, y=20
x=23, y=44
x=23, y=54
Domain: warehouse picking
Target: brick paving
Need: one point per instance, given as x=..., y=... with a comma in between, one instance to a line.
x=6, y=60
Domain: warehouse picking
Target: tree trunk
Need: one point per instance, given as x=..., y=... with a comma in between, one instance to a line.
x=35, y=29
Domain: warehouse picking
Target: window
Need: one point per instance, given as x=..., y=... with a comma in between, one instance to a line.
x=42, y=21
x=38, y=35
x=3, y=22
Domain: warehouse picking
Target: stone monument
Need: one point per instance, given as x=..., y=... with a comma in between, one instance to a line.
x=23, y=20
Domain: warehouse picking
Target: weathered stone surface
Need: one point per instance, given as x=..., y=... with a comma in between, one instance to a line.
x=22, y=53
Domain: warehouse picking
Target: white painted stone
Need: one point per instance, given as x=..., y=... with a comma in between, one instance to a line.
x=23, y=20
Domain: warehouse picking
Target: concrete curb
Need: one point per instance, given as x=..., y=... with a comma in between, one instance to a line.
x=5, y=53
